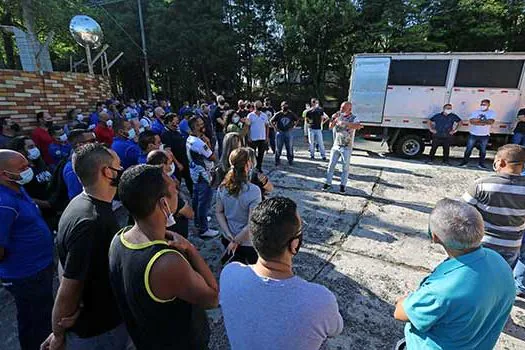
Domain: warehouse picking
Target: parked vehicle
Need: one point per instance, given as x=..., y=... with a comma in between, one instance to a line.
x=395, y=94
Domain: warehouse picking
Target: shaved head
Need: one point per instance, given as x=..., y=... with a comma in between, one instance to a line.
x=159, y=112
x=103, y=116
x=8, y=158
x=11, y=165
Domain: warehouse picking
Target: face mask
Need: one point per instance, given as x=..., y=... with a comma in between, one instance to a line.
x=49, y=124
x=131, y=134
x=150, y=114
x=236, y=119
x=172, y=170
x=447, y=111
x=109, y=123
x=33, y=153
x=285, y=108
x=170, y=220
x=116, y=180
x=161, y=147
x=105, y=110
x=494, y=166
x=80, y=118
x=128, y=116
x=141, y=130
x=63, y=138
x=484, y=108
x=25, y=176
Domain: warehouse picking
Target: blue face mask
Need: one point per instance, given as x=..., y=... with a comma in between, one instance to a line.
x=131, y=134
x=128, y=116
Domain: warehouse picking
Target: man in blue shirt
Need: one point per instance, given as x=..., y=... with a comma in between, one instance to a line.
x=26, y=252
x=466, y=301
x=73, y=185
x=158, y=125
x=148, y=141
x=60, y=148
x=93, y=117
x=124, y=143
x=443, y=126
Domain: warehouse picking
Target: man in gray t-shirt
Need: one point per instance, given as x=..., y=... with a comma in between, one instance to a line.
x=264, y=305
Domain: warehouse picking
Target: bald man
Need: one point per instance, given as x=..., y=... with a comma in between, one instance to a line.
x=104, y=130
x=158, y=124
x=344, y=125
x=26, y=252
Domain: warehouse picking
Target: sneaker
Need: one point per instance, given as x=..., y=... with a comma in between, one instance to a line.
x=312, y=157
x=290, y=162
x=324, y=159
x=463, y=164
x=342, y=189
x=209, y=234
x=326, y=187
x=482, y=167
x=208, y=218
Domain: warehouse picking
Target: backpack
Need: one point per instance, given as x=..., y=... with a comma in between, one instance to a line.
x=57, y=188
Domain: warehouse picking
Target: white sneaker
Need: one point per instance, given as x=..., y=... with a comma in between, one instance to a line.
x=209, y=234
x=208, y=218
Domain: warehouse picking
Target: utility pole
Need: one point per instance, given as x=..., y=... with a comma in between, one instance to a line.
x=144, y=52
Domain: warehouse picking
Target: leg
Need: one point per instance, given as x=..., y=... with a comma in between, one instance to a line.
x=261, y=148
x=220, y=138
x=483, y=142
x=288, y=142
x=319, y=137
x=34, y=304
x=195, y=205
x=280, y=140
x=346, y=154
x=203, y=207
x=470, y=146
x=334, y=158
x=519, y=270
x=311, y=141
x=271, y=135
x=187, y=179
x=433, y=149
x=446, y=149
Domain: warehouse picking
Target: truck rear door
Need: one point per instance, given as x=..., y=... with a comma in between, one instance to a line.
x=368, y=87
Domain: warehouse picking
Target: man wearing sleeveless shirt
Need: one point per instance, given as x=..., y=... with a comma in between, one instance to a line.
x=161, y=286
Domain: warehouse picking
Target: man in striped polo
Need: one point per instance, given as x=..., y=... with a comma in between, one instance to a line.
x=500, y=199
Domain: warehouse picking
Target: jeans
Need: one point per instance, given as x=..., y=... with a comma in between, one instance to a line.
x=518, y=138
x=260, y=146
x=519, y=270
x=316, y=137
x=510, y=254
x=220, y=138
x=201, y=202
x=185, y=174
x=115, y=339
x=34, y=303
x=440, y=141
x=339, y=152
x=481, y=142
x=284, y=138
x=271, y=135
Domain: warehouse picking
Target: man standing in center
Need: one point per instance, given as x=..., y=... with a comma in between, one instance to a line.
x=284, y=121
x=315, y=117
x=259, y=132
x=443, y=126
x=85, y=231
x=344, y=125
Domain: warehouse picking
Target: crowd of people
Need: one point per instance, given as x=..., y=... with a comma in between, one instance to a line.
x=104, y=194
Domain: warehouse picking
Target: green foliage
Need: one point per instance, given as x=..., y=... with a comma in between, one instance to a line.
x=198, y=48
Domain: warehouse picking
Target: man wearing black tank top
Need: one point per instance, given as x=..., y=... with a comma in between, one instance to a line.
x=161, y=283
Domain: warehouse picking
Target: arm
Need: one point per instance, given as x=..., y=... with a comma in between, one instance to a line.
x=267, y=133
x=221, y=217
x=334, y=121
x=186, y=211
x=42, y=204
x=489, y=121
x=399, y=313
x=67, y=303
x=432, y=126
x=475, y=121
x=8, y=216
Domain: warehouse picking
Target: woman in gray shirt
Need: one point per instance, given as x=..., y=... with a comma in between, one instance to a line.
x=236, y=198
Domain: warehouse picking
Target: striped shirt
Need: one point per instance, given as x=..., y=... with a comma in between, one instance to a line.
x=501, y=201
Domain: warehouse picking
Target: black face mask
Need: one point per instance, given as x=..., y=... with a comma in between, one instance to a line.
x=49, y=124
x=116, y=180
x=15, y=127
x=285, y=108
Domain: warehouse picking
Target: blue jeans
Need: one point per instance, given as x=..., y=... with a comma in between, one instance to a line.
x=284, y=138
x=481, y=142
x=34, y=303
x=510, y=254
x=316, y=137
x=220, y=139
x=518, y=138
x=201, y=202
x=339, y=152
x=271, y=136
x=519, y=270
x=115, y=339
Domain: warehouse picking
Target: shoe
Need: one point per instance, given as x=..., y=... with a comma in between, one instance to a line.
x=463, y=164
x=277, y=163
x=290, y=162
x=208, y=218
x=209, y=234
x=446, y=162
x=324, y=159
x=312, y=157
x=430, y=161
x=342, y=189
x=482, y=166
x=326, y=187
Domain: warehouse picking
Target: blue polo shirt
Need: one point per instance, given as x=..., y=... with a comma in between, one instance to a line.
x=59, y=151
x=157, y=127
x=445, y=123
x=74, y=187
x=463, y=304
x=24, y=235
x=127, y=150
x=142, y=159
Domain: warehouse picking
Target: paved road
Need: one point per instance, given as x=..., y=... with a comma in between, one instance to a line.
x=368, y=246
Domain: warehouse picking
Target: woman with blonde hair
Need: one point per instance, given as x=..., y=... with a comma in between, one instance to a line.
x=236, y=198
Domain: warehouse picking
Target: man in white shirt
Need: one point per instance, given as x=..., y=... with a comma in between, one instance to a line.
x=265, y=306
x=480, y=124
x=201, y=157
x=259, y=132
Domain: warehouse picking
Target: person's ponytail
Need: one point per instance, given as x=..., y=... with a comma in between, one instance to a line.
x=236, y=177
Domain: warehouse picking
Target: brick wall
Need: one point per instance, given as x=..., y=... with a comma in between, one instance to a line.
x=23, y=94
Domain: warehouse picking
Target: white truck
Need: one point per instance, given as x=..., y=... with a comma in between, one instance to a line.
x=394, y=95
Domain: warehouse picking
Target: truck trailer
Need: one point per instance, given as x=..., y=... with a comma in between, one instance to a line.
x=395, y=94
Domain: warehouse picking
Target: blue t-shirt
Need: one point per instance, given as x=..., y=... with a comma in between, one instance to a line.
x=157, y=127
x=93, y=118
x=142, y=159
x=127, y=150
x=24, y=235
x=59, y=151
x=463, y=304
x=444, y=123
x=74, y=187
x=184, y=128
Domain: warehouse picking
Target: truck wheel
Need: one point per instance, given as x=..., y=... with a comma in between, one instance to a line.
x=409, y=146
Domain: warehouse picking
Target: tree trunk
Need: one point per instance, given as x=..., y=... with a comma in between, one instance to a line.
x=9, y=45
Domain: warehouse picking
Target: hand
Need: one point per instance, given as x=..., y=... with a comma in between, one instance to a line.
x=403, y=297
x=306, y=139
x=433, y=131
x=180, y=167
x=452, y=132
x=178, y=242
x=54, y=342
x=232, y=247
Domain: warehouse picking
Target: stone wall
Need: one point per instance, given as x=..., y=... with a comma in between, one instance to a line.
x=23, y=94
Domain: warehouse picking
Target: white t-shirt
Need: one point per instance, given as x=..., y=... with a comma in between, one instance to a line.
x=258, y=126
x=198, y=153
x=482, y=130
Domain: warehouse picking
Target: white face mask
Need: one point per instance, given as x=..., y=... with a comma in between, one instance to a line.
x=236, y=119
x=131, y=134
x=484, y=107
x=161, y=147
x=170, y=220
x=63, y=138
x=25, y=176
x=33, y=153
x=141, y=130
x=150, y=114
x=80, y=118
x=447, y=111
x=172, y=170
x=105, y=110
x=109, y=123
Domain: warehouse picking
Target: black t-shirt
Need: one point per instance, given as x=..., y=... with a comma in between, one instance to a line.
x=243, y=113
x=177, y=142
x=218, y=113
x=284, y=120
x=85, y=231
x=314, y=118
x=520, y=127
x=181, y=222
x=269, y=111
x=38, y=187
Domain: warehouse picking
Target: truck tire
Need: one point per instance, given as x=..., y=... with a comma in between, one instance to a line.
x=409, y=146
